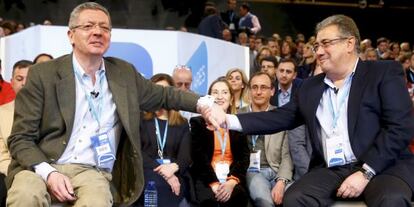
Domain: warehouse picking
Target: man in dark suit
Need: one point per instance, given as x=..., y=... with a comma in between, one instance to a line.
x=360, y=122
x=75, y=137
x=231, y=18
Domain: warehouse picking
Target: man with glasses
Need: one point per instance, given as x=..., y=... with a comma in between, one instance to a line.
x=270, y=163
x=75, y=137
x=360, y=122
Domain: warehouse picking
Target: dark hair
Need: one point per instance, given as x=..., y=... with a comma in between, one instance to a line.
x=381, y=40
x=245, y=5
x=270, y=59
x=289, y=60
x=21, y=64
x=40, y=55
x=346, y=26
x=259, y=73
x=174, y=117
x=162, y=77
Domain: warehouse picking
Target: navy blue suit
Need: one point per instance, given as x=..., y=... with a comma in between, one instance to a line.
x=380, y=121
x=274, y=100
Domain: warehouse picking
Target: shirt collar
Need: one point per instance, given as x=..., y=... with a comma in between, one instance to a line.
x=329, y=81
x=289, y=90
x=81, y=71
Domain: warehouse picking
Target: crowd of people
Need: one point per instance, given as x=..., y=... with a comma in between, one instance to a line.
x=316, y=121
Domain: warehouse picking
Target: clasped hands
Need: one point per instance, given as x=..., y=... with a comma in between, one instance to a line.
x=167, y=172
x=224, y=190
x=214, y=116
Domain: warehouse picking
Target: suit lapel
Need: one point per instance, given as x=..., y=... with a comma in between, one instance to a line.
x=355, y=96
x=119, y=92
x=314, y=97
x=66, y=92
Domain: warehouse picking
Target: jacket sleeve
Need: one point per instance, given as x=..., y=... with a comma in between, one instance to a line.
x=396, y=120
x=27, y=118
x=286, y=164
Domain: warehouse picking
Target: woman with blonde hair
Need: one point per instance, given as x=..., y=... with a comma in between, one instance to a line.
x=238, y=82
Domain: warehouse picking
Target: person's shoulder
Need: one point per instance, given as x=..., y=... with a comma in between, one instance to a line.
x=380, y=66
x=116, y=61
x=198, y=120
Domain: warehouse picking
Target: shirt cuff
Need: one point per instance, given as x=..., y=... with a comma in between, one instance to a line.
x=206, y=101
x=233, y=122
x=367, y=167
x=44, y=169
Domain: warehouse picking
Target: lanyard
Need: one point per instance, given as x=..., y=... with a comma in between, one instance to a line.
x=223, y=141
x=336, y=114
x=254, y=137
x=161, y=142
x=96, y=111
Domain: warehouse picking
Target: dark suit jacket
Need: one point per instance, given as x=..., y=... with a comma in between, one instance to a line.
x=274, y=100
x=177, y=146
x=203, y=148
x=45, y=110
x=380, y=121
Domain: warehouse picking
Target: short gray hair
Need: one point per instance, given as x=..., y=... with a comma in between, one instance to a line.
x=346, y=27
x=74, y=15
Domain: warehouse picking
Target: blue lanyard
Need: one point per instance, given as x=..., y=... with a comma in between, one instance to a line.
x=336, y=114
x=241, y=103
x=161, y=142
x=223, y=142
x=254, y=137
x=96, y=111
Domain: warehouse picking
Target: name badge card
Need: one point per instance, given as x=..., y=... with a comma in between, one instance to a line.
x=163, y=161
x=335, y=150
x=231, y=26
x=254, y=161
x=222, y=170
x=104, y=154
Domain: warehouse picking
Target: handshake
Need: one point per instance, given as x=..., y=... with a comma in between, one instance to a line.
x=214, y=115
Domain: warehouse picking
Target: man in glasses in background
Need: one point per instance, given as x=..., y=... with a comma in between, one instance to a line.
x=360, y=122
x=75, y=137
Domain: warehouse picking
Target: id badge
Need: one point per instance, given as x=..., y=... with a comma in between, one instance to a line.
x=231, y=26
x=222, y=170
x=104, y=154
x=335, y=151
x=254, y=161
x=163, y=161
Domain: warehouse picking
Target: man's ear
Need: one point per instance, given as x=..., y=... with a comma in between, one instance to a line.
x=70, y=36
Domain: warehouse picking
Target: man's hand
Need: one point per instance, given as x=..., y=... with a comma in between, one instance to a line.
x=352, y=186
x=225, y=190
x=277, y=192
x=175, y=184
x=214, y=115
x=166, y=170
x=59, y=186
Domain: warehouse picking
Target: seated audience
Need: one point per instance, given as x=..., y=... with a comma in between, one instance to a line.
x=238, y=82
x=220, y=158
x=19, y=74
x=271, y=166
x=165, y=148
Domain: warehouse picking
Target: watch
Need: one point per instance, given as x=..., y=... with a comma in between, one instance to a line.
x=367, y=173
x=284, y=180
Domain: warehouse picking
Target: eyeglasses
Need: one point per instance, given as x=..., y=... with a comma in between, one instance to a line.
x=326, y=43
x=90, y=26
x=267, y=66
x=182, y=67
x=255, y=88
